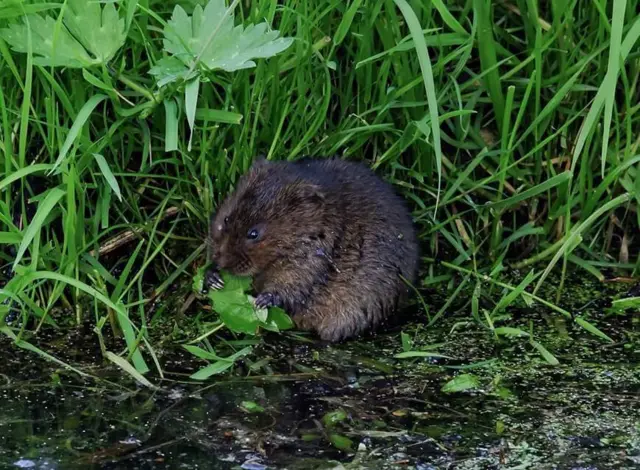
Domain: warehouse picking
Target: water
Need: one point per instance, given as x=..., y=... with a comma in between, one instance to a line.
x=582, y=414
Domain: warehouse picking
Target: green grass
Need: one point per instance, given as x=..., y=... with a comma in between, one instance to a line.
x=512, y=128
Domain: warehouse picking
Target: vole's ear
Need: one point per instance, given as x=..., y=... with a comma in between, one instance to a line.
x=305, y=194
x=260, y=160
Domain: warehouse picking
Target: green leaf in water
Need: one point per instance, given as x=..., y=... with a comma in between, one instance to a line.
x=201, y=353
x=406, y=354
x=212, y=369
x=544, y=352
x=407, y=342
x=197, y=285
x=509, y=331
x=592, y=329
x=220, y=365
x=629, y=302
x=461, y=383
x=334, y=417
x=341, y=442
x=251, y=407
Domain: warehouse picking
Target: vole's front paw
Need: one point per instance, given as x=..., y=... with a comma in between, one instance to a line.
x=268, y=299
x=213, y=280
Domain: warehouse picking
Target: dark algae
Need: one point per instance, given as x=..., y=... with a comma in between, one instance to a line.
x=326, y=239
x=303, y=405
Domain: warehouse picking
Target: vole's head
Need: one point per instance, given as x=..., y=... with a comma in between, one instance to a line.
x=271, y=212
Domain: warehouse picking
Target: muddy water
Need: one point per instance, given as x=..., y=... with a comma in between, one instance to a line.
x=305, y=401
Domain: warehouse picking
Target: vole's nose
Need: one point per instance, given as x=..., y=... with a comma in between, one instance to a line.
x=218, y=249
x=222, y=259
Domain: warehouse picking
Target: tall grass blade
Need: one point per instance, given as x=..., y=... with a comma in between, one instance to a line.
x=427, y=77
x=44, y=208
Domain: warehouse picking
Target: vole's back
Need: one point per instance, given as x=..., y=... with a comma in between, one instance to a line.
x=377, y=248
x=337, y=243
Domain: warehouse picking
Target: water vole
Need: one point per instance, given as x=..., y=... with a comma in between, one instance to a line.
x=327, y=240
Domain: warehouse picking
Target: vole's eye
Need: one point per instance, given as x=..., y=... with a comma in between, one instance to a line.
x=226, y=220
x=253, y=234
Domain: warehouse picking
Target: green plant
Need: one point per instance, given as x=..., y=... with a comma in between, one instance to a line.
x=104, y=199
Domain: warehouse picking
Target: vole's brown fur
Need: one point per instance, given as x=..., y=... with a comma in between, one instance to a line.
x=327, y=240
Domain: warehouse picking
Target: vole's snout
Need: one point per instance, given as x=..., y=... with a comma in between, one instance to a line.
x=223, y=261
x=218, y=251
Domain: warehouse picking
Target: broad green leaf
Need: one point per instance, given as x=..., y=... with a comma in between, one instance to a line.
x=209, y=38
x=341, y=442
x=236, y=307
x=461, y=383
x=334, y=417
x=251, y=407
x=232, y=282
x=197, y=284
x=280, y=319
x=90, y=35
x=170, y=69
x=262, y=314
x=15, y=9
x=52, y=45
x=100, y=31
x=407, y=342
x=236, y=311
